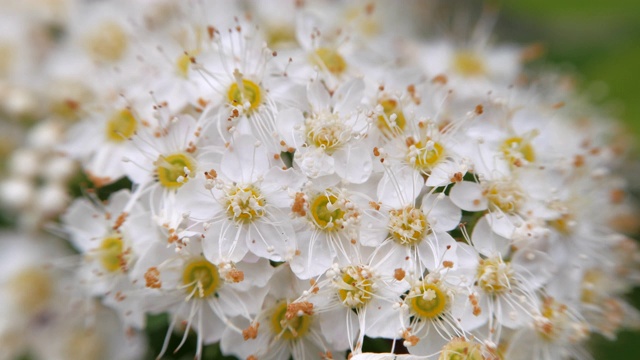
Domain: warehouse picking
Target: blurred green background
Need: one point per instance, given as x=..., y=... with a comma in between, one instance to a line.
x=599, y=41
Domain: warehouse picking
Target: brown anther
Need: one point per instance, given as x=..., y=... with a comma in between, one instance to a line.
x=72, y=104
x=152, y=278
x=298, y=252
x=440, y=79
x=122, y=260
x=294, y=308
x=235, y=276
x=173, y=238
x=457, y=177
x=479, y=109
x=274, y=54
x=191, y=148
x=381, y=87
x=447, y=264
x=578, y=160
x=252, y=357
x=202, y=102
x=376, y=151
x=97, y=180
x=282, y=143
x=476, y=202
x=532, y=52
x=354, y=241
x=211, y=174
x=299, y=205
x=399, y=274
x=290, y=149
x=617, y=196
x=120, y=220
x=410, y=338
x=251, y=332
x=119, y=296
x=326, y=356
x=374, y=205
x=410, y=141
x=276, y=156
x=369, y=8
x=211, y=31
x=558, y=105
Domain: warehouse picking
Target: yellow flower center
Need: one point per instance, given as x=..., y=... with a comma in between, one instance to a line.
x=427, y=300
x=7, y=58
x=424, y=156
x=326, y=214
x=121, y=126
x=330, y=60
x=516, y=148
x=201, y=278
x=392, y=121
x=468, y=64
x=564, y=224
x=85, y=344
x=182, y=64
x=461, y=349
x=280, y=36
x=327, y=131
x=245, y=204
x=111, y=254
x=174, y=170
x=503, y=195
x=494, y=276
x=31, y=289
x=356, y=287
x=107, y=42
x=408, y=226
x=289, y=329
x=247, y=92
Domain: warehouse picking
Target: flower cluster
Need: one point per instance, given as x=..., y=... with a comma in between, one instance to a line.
x=306, y=175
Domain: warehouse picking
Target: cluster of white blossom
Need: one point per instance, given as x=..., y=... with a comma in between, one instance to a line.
x=308, y=173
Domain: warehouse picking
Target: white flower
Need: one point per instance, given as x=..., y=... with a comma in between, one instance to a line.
x=330, y=139
x=288, y=325
x=204, y=294
x=244, y=204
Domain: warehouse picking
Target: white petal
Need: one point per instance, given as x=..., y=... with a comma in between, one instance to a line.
x=353, y=164
x=399, y=187
x=271, y=239
x=224, y=241
x=486, y=241
x=348, y=96
x=468, y=196
x=244, y=162
x=534, y=267
x=442, y=214
x=503, y=224
x=437, y=248
x=318, y=96
x=287, y=124
x=278, y=184
x=511, y=311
